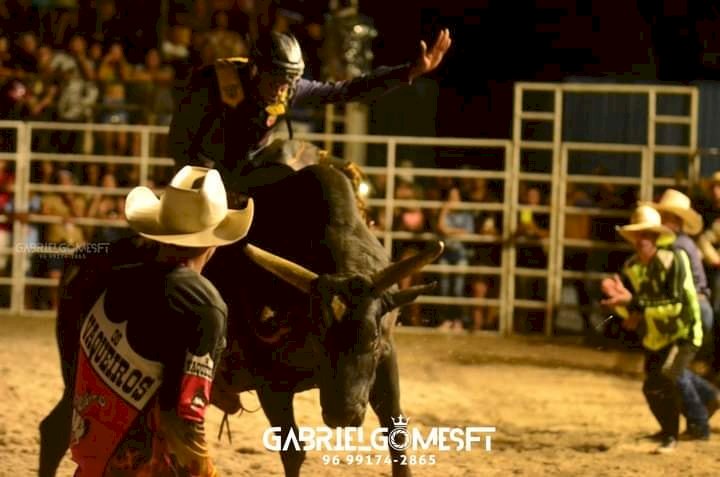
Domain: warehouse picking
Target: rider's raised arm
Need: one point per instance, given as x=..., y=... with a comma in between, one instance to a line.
x=371, y=86
x=363, y=88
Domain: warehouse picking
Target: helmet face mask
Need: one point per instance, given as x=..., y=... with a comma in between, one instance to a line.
x=278, y=74
x=273, y=87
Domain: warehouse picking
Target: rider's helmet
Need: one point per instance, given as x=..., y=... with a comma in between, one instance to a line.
x=278, y=54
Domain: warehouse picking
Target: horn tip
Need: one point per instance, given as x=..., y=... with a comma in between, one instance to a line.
x=438, y=248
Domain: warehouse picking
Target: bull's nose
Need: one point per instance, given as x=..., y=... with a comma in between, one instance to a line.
x=349, y=418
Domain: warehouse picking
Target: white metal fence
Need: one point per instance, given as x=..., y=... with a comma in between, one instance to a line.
x=511, y=176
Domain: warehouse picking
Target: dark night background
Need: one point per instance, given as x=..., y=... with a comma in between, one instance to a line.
x=498, y=42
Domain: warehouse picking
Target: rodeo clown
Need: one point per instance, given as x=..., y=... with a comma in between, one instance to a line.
x=656, y=294
x=231, y=107
x=150, y=345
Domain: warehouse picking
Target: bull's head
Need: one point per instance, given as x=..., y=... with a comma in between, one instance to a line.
x=352, y=306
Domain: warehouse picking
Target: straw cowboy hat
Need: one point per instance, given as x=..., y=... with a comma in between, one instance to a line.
x=192, y=212
x=677, y=203
x=644, y=219
x=715, y=178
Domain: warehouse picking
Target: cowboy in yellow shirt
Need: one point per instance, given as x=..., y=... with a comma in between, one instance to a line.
x=656, y=289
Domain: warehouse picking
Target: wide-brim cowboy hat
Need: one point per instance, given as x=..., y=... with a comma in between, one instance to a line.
x=192, y=212
x=645, y=219
x=677, y=203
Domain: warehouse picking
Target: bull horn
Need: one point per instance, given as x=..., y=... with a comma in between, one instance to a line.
x=392, y=274
x=296, y=275
x=408, y=295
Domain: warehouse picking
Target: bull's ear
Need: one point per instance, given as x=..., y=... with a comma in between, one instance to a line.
x=406, y=296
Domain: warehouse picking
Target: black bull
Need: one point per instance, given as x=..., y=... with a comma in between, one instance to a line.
x=327, y=326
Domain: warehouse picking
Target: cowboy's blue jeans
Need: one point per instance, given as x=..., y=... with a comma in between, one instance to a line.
x=707, y=318
x=694, y=391
x=705, y=391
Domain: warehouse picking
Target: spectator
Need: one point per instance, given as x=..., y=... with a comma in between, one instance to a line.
x=531, y=255
x=453, y=223
x=115, y=112
x=113, y=66
x=14, y=105
x=91, y=177
x=408, y=218
x=78, y=49
x=104, y=202
x=484, y=317
x=152, y=83
x=529, y=226
x=76, y=103
x=60, y=19
x=19, y=16
x=63, y=234
x=65, y=178
x=95, y=56
x=44, y=87
x=578, y=226
x=487, y=223
x=24, y=56
x=378, y=219
x=176, y=52
x=7, y=182
x=36, y=263
x=5, y=58
x=379, y=185
x=410, y=315
x=111, y=208
x=226, y=43
x=476, y=189
x=109, y=26
x=198, y=19
x=412, y=218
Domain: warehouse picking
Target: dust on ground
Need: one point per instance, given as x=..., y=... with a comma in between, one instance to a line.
x=559, y=410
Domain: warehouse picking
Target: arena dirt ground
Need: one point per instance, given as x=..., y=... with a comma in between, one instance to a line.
x=560, y=410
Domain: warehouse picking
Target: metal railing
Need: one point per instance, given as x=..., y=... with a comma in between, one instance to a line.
x=512, y=176
x=558, y=175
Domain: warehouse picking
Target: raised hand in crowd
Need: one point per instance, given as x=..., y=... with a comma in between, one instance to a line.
x=114, y=66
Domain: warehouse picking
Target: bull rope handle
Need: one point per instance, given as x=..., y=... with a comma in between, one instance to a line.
x=225, y=423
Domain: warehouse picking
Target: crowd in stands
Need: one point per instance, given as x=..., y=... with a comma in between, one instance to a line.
x=473, y=232
x=57, y=66
x=91, y=76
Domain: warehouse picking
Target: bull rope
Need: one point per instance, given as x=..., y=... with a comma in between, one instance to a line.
x=225, y=423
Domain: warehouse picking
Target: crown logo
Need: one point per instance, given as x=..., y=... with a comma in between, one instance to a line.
x=401, y=421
